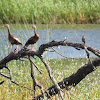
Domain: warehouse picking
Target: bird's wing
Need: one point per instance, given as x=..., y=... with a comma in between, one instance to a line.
x=31, y=38
x=17, y=39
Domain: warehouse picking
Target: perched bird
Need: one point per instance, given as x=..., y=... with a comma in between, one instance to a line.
x=32, y=40
x=12, y=39
x=87, y=52
x=83, y=39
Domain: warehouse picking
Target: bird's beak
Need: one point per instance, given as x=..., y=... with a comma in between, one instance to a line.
x=4, y=26
x=31, y=27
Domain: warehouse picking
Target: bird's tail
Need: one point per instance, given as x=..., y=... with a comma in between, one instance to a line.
x=20, y=43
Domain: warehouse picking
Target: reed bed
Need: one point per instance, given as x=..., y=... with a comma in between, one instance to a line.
x=49, y=11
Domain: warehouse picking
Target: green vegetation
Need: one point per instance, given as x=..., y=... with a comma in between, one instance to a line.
x=87, y=89
x=49, y=11
x=52, y=26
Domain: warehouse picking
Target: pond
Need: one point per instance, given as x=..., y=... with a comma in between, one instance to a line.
x=92, y=37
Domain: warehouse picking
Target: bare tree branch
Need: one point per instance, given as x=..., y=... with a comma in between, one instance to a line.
x=35, y=82
x=52, y=77
x=40, y=70
x=1, y=82
x=58, y=52
x=66, y=43
x=23, y=53
x=87, y=51
x=15, y=82
x=73, y=80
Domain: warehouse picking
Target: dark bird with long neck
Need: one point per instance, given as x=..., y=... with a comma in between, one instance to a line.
x=32, y=40
x=12, y=39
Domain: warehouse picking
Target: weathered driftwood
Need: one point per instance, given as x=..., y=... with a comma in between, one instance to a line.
x=79, y=75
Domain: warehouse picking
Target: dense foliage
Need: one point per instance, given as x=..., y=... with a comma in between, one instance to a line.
x=49, y=11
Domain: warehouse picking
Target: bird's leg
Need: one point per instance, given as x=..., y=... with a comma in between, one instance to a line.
x=32, y=48
x=16, y=49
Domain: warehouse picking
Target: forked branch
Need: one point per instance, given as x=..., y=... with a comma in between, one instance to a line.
x=74, y=79
x=35, y=82
x=23, y=53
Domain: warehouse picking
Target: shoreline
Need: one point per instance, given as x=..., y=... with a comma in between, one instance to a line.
x=54, y=26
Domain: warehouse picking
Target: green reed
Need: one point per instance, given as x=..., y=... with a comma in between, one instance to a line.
x=49, y=11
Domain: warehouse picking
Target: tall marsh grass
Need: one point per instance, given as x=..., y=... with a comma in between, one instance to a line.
x=49, y=11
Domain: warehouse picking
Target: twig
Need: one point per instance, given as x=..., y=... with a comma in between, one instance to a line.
x=87, y=52
x=52, y=77
x=40, y=70
x=9, y=72
x=58, y=52
x=65, y=39
x=1, y=82
x=21, y=85
x=35, y=83
x=15, y=82
x=4, y=76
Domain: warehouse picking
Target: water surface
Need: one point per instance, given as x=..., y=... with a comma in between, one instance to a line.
x=73, y=35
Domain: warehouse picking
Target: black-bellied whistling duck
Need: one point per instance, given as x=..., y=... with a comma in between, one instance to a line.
x=13, y=39
x=33, y=39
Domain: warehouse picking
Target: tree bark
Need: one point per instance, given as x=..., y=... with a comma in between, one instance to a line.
x=73, y=80
x=23, y=53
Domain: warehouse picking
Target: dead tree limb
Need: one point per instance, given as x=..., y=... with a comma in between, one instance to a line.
x=1, y=82
x=40, y=70
x=66, y=43
x=52, y=77
x=73, y=80
x=15, y=82
x=87, y=52
x=25, y=53
x=35, y=82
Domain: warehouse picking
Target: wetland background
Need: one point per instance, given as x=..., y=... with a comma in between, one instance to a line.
x=49, y=11
x=55, y=20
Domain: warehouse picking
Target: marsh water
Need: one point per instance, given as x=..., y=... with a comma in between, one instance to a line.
x=92, y=37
